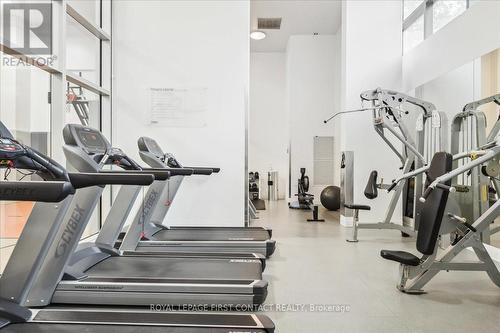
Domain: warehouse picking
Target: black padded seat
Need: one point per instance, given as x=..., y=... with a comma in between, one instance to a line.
x=402, y=257
x=358, y=207
x=431, y=214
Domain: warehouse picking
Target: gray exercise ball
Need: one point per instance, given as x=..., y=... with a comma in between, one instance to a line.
x=330, y=197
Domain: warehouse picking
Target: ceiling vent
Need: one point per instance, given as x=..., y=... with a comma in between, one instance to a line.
x=269, y=23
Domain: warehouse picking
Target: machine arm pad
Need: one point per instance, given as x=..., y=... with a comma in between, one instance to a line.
x=371, y=191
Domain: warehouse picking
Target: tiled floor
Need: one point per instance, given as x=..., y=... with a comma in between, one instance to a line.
x=314, y=264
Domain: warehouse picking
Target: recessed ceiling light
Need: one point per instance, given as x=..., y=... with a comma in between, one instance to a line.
x=257, y=35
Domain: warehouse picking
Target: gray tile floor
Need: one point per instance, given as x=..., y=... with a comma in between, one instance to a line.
x=313, y=264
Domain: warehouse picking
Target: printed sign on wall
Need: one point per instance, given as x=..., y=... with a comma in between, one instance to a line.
x=178, y=107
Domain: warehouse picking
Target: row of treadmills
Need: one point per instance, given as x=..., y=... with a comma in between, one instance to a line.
x=53, y=282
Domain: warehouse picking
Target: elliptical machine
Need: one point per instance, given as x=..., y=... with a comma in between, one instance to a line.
x=305, y=200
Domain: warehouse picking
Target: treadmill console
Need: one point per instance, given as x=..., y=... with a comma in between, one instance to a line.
x=149, y=145
x=18, y=156
x=93, y=143
x=90, y=140
x=10, y=149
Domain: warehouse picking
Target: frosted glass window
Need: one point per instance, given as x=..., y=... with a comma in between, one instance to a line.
x=444, y=11
x=409, y=7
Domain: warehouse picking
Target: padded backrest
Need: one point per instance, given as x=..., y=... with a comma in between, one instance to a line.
x=431, y=213
x=371, y=191
x=303, y=181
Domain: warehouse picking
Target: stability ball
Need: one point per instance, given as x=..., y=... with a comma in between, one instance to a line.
x=330, y=197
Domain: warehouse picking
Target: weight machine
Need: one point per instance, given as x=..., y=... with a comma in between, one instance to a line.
x=390, y=117
x=416, y=272
x=474, y=189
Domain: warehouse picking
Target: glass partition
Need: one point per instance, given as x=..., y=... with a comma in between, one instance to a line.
x=25, y=111
x=39, y=96
x=82, y=52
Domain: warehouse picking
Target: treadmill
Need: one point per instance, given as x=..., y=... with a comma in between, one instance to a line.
x=101, y=275
x=110, y=234
x=44, y=246
x=152, y=236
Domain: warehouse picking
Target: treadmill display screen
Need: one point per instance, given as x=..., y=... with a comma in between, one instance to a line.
x=153, y=147
x=91, y=140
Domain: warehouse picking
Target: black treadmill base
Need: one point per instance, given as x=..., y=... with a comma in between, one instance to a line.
x=92, y=328
x=106, y=321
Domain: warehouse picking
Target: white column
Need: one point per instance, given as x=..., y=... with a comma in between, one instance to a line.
x=371, y=58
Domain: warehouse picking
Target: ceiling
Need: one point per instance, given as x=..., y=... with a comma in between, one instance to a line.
x=304, y=17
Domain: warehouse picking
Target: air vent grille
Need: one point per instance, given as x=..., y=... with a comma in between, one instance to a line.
x=269, y=23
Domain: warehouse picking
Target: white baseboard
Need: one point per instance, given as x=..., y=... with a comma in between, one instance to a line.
x=346, y=221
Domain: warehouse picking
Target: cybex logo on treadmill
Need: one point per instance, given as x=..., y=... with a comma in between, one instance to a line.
x=69, y=231
x=9, y=192
x=148, y=205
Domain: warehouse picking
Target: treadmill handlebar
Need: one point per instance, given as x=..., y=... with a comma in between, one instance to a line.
x=81, y=180
x=52, y=166
x=56, y=191
x=159, y=174
x=172, y=171
x=202, y=169
x=42, y=191
x=179, y=171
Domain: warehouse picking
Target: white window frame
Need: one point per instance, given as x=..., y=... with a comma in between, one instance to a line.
x=425, y=9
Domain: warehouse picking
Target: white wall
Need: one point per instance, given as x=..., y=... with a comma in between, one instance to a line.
x=371, y=58
x=469, y=36
x=451, y=91
x=187, y=44
x=311, y=86
x=268, y=130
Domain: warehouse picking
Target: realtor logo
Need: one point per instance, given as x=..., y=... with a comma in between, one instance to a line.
x=27, y=27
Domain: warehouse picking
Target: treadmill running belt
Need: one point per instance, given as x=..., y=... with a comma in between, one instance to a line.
x=176, y=268
x=143, y=280
x=194, y=255
x=211, y=235
x=143, y=318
